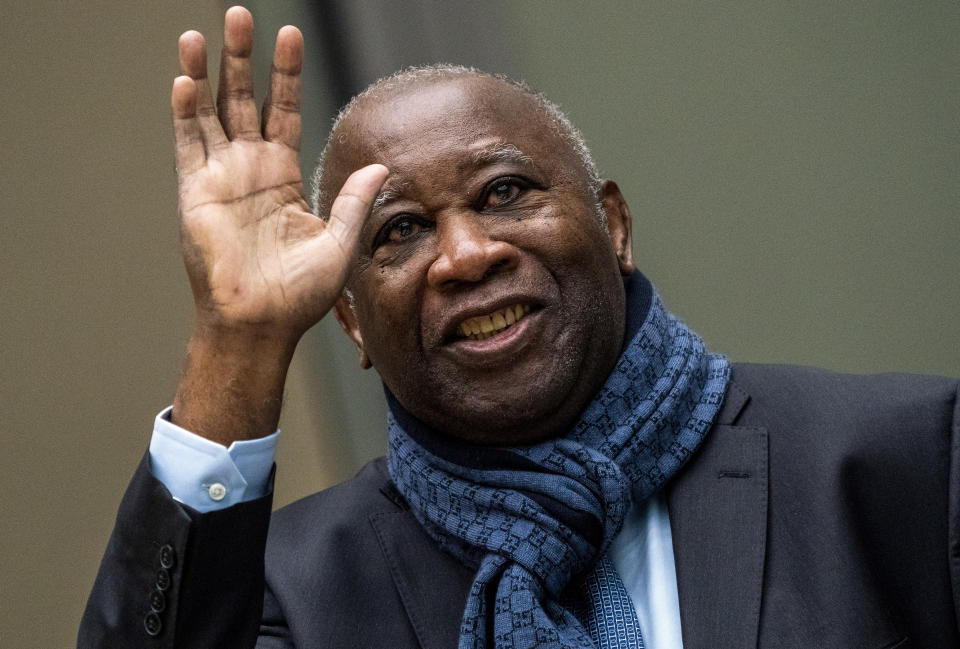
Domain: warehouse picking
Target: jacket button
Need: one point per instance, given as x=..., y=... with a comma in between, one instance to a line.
x=152, y=624
x=167, y=556
x=163, y=579
x=157, y=601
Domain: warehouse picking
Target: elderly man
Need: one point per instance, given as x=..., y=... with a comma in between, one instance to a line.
x=568, y=466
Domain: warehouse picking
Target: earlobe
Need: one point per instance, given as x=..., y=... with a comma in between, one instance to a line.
x=619, y=225
x=348, y=321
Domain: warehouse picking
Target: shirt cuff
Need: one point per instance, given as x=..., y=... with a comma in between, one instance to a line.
x=206, y=475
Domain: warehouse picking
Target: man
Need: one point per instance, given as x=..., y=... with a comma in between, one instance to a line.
x=567, y=466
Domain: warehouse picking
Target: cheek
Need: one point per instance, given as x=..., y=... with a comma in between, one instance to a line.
x=565, y=237
x=388, y=312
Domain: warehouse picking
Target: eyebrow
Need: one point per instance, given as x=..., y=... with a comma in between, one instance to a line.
x=392, y=192
x=502, y=152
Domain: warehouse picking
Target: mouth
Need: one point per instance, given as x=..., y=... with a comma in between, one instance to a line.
x=491, y=324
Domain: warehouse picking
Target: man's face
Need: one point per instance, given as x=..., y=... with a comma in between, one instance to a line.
x=487, y=292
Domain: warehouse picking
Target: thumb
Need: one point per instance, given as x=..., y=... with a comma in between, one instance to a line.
x=352, y=205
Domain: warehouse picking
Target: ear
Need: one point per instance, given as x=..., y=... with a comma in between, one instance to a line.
x=619, y=224
x=348, y=320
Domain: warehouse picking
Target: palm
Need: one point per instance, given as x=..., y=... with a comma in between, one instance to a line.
x=254, y=252
x=260, y=255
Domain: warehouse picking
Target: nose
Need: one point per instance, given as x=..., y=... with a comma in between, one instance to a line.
x=467, y=253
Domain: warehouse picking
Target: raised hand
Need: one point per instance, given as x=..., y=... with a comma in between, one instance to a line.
x=255, y=254
x=262, y=267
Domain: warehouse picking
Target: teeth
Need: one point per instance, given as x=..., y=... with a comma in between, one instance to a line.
x=482, y=327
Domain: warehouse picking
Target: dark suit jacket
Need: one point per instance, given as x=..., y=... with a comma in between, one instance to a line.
x=823, y=510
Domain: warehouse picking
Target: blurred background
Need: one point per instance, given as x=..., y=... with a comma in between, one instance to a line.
x=792, y=170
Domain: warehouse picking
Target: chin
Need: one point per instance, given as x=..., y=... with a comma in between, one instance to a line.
x=505, y=415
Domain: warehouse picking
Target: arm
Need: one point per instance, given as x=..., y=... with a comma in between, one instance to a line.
x=263, y=270
x=172, y=577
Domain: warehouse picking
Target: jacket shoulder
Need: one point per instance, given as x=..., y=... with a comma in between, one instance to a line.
x=806, y=396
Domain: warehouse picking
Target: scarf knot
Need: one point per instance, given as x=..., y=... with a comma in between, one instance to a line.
x=530, y=518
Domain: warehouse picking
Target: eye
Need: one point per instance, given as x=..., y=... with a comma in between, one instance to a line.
x=503, y=191
x=400, y=227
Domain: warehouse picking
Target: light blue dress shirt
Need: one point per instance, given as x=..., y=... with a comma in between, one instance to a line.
x=208, y=476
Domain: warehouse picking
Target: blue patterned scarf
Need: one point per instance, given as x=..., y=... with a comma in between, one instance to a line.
x=531, y=518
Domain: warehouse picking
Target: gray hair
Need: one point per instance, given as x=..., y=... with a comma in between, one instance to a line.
x=442, y=71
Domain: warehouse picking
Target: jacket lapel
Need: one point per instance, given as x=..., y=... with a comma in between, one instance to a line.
x=432, y=584
x=718, y=517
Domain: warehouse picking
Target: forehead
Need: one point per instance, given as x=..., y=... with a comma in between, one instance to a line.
x=458, y=122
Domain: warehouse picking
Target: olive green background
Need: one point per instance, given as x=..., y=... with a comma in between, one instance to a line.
x=792, y=170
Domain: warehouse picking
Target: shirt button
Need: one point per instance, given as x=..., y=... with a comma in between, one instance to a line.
x=217, y=491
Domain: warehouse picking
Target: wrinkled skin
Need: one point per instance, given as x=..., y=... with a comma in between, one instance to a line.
x=464, y=227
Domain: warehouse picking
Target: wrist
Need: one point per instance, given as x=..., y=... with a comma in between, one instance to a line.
x=243, y=343
x=232, y=384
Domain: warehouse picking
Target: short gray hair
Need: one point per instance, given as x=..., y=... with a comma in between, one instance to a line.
x=442, y=71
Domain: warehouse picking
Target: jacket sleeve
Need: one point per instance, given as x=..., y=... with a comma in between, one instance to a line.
x=174, y=578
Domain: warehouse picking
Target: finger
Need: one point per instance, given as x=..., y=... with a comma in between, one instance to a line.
x=235, y=103
x=190, y=153
x=193, y=63
x=352, y=205
x=281, y=108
